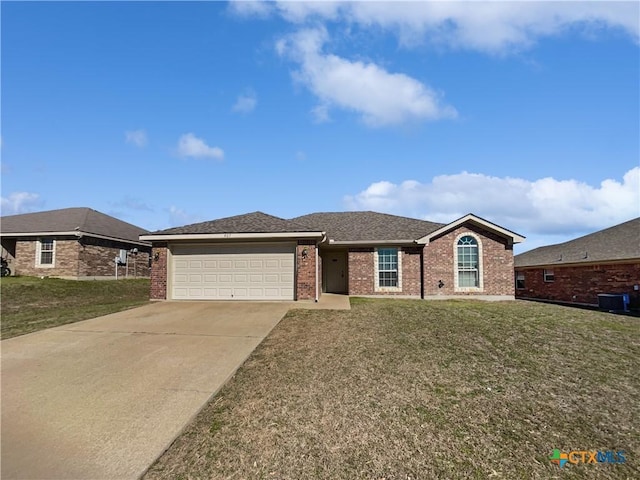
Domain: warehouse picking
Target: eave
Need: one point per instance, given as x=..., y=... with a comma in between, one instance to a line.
x=229, y=236
x=481, y=222
x=369, y=243
x=588, y=263
x=75, y=233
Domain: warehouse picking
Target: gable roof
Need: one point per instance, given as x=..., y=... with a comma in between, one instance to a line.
x=620, y=242
x=479, y=221
x=70, y=221
x=251, y=224
x=359, y=227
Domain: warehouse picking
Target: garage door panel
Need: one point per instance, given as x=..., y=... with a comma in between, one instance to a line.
x=261, y=272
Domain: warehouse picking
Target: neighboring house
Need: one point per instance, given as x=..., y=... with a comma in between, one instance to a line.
x=607, y=261
x=259, y=256
x=73, y=243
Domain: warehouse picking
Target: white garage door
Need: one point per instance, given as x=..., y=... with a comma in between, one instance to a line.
x=256, y=272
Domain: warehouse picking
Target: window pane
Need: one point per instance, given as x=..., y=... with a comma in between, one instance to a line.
x=467, y=278
x=46, y=251
x=388, y=267
x=46, y=258
x=388, y=279
x=468, y=262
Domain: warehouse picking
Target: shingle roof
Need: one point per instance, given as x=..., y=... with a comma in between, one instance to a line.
x=368, y=226
x=620, y=242
x=256, y=222
x=69, y=220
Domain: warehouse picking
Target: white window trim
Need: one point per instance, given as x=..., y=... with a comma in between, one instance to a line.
x=521, y=276
x=480, y=287
x=377, y=286
x=39, y=255
x=546, y=273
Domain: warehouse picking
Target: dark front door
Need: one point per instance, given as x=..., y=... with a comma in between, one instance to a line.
x=334, y=266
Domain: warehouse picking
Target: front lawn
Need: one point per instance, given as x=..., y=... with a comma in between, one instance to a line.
x=409, y=389
x=30, y=304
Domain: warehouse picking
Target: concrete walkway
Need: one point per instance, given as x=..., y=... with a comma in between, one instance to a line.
x=103, y=398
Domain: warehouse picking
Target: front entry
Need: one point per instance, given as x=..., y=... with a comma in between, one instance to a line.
x=334, y=270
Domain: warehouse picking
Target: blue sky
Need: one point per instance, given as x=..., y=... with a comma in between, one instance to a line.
x=163, y=113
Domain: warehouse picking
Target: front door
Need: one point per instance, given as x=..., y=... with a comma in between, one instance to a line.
x=334, y=266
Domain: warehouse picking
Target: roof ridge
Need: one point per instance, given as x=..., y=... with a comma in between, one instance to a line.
x=85, y=218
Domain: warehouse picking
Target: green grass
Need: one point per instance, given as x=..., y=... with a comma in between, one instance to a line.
x=29, y=304
x=401, y=389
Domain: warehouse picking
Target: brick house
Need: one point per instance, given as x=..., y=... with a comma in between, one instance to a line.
x=607, y=261
x=259, y=256
x=75, y=243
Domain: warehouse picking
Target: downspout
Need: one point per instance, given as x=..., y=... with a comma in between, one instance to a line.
x=422, y=273
x=317, y=264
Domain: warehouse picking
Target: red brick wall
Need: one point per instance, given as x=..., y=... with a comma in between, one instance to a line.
x=306, y=270
x=159, y=272
x=582, y=283
x=96, y=259
x=497, y=264
x=361, y=268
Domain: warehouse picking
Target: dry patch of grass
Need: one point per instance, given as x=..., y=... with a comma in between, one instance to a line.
x=399, y=389
x=30, y=304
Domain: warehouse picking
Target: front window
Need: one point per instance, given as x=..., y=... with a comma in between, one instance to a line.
x=46, y=252
x=388, y=268
x=519, y=280
x=468, y=263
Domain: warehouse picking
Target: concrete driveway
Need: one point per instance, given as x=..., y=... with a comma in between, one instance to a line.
x=103, y=398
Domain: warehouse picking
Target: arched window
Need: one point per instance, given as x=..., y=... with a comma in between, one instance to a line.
x=468, y=262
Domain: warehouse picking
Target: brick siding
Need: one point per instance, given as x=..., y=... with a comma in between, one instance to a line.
x=65, y=258
x=582, y=283
x=89, y=257
x=306, y=270
x=497, y=264
x=159, y=272
x=96, y=259
x=361, y=269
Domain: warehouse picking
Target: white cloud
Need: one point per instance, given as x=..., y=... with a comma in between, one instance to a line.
x=246, y=8
x=191, y=146
x=378, y=96
x=246, y=102
x=136, y=137
x=544, y=206
x=20, y=202
x=485, y=26
x=179, y=217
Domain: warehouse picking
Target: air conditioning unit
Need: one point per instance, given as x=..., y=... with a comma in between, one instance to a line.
x=613, y=302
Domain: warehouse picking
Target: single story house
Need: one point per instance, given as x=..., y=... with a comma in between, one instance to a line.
x=261, y=257
x=604, y=262
x=75, y=243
